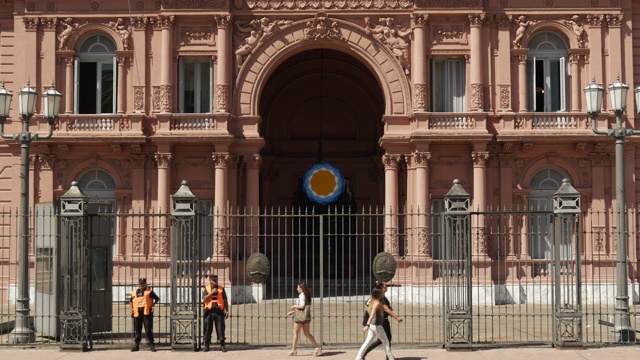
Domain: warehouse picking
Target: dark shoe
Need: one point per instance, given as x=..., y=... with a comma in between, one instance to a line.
x=206, y=348
x=224, y=349
x=136, y=348
x=153, y=347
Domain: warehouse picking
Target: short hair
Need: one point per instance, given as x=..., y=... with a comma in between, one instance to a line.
x=142, y=281
x=213, y=277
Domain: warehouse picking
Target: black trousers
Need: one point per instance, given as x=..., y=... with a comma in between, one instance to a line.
x=147, y=321
x=214, y=318
x=387, y=330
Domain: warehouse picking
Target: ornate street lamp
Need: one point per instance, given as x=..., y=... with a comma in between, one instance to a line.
x=622, y=331
x=23, y=332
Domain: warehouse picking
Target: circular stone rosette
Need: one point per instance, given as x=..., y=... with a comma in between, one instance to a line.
x=384, y=267
x=323, y=183
x=258, y=268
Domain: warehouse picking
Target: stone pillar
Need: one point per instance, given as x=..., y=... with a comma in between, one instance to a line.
x=221, y=162
x=418, y=62
x=480, y=246
x=46, y=177
x=253, y=201
x=121, y=105
x=161, y=234
x=224, y=58
x=165, y=91
x=504, y=63
x=596, y=57
x=576, y=91
x=139, y=38
x=68, y=83
x=423, y=226
x=391, y=162
x=506, y=201
x=614, y=22
x=597, y=246
x=476, y=81
x=522, y=82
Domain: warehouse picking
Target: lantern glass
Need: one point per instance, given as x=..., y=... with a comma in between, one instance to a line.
x=27, y=97
x=593, y=94
x=5, y=102
x=51, y=99
x=618, y=93
x=637, y=94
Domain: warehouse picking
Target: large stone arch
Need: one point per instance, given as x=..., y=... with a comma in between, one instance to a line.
x=90, y=29
x=560, y=163
x=556, y=27
x=351, y=39
x=79, y=168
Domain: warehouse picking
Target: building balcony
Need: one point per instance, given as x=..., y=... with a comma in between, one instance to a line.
x=549, y=126
x=99, y=127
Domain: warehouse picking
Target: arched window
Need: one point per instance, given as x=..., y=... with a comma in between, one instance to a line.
x=95, y=76
x=543, y=185
x=98, y=185
x=547, y=73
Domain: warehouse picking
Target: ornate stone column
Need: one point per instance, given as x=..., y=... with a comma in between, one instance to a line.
x=47, y=162
x=164, y=93
x=68, y=60
x=418, y=62
x=597, y=247
x=391, y=162
x=596, y=51
x=476, y=81
x=506, y=200
x=576, y=91
x=480, y=246
x=253, y=163
x=224, y=58
x=504, y=63
x=423, y=229
x=614, y=22
x=121, y=84
x=522, y=82
x=161, y=235
x=221, y=161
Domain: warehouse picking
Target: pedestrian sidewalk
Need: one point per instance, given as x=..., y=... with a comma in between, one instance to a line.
x=525, y=353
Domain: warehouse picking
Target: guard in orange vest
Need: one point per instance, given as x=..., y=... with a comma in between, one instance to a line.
x=142, y=301
x=216, y=309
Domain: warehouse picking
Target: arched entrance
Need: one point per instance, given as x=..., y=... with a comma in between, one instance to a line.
x=322, y=105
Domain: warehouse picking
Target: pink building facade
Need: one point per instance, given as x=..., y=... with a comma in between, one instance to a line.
x=240, y=98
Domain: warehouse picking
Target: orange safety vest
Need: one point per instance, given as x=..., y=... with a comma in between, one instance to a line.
x=208, y=304
x=145, y=302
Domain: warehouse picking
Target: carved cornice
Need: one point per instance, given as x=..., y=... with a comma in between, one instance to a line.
x=162, y=21
x=390, y=162
x=194, y=4
x=449, y=3
x=324, y=4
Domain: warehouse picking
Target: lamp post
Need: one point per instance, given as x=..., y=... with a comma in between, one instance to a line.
x=23, y=332
x=622, y=330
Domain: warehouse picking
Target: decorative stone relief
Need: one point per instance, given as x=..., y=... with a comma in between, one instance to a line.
x=259, y=30
x=420, y=96
x=527, y=146
x=47, y=161
x=419, y=20
x=597, y=159
x=137, y=161
x=447, y=33
x=138, y=239
x=49, y=23
x=581, y=146
x=505, y=97
x=321, y=27
x=326, y=4
x=195, y=34
x=424, y=241
x=31, y=23
x=93, y=159
x=390, y=161
x=162, y=21
x=578, y=28
x=223, y=21
x=506, y=160
x=448, y=3
x=139, y=22
x=221, y=246
x=160, y=240
x=116, y=148
x=395, y=37
x=614, y=19
x=479, y=158
x=68, y=27
x=391, y=241
x=163, y=160
x=253, y=161
x=162, y=98
x=194, y=4
x=138, y=97
x=548, y=3
x=222, y=97
x=507, y=147
x=477, y=96
x=123, y=30
x=523, y=24
x=136, y=149
x=595, y=3
x=221, y=160
x=595, y=19
x=422, y=158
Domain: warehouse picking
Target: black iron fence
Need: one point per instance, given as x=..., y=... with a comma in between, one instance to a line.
x=499, y=277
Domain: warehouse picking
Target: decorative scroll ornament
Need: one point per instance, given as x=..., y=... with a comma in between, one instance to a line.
x=258, y=268
x=384, y=267
x=395, y=37
x=321, y=27
x=325, y=4
x=222, y=97
x=194, y=4
x=420, y=96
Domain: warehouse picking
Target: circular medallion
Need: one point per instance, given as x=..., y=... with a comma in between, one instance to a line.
x=384, y=266
x=258, y=267
x=323, y=183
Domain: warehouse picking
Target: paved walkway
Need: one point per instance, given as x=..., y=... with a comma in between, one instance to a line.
x=532, y=353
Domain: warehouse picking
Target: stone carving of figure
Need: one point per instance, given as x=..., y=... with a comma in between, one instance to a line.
x=259, y=30
x=395, y=37
x=578, y=28
x=522, y=27
x=69, y=27
x=122, y=30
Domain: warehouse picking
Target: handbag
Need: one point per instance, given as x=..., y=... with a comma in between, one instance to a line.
x=302, y=316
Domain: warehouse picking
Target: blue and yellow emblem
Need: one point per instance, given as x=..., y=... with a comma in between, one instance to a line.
x=323, y=183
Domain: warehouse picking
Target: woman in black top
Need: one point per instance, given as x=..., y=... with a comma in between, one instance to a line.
x=388, y=310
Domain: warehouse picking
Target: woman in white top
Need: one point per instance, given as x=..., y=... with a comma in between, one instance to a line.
x=303, y=306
